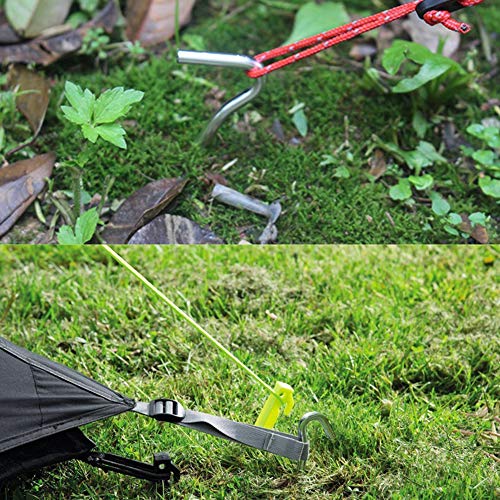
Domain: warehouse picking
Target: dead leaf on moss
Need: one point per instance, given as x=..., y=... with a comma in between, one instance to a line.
x=378, y=164
x=20, y=184
x=33, y=98
x=174, y=230
x=478, y=232
x=143, y=206
x=153, y=21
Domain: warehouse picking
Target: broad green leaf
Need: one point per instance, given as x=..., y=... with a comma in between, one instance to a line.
x=401, y=191
x=73, y=116
x=416, y=160
x=66, y=236
x=394, y=56
x=489, y=186
x=114, y=104
x=476, y=130
x=86, y=226
x=490, y=135
x=428, y=72
x=477, y=218
x=113, y=133
x=300, y=122
x=82, y=102
x=454, y=219
x=429, y=151
x=342, y=173
x=90, y=133
x=423, y=182
x=439, y=205
x=484, y=157
x=401, y=50
x=451, y=230
x=313, y=18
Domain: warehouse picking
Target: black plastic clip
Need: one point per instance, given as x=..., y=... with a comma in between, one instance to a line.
x=429, y=5
x=166, y=410
x=161, y=470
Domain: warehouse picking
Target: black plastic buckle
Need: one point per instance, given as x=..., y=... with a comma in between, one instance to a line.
x=428, y=5
x=166, y=410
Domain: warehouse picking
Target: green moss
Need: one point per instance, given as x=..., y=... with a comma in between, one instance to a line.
x=319, y=208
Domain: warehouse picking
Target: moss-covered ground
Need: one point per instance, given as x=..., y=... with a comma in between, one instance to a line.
x=318, y=207
x=399, y=347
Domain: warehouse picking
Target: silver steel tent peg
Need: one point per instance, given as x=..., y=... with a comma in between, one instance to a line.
x=304, y=423
x=225, y=61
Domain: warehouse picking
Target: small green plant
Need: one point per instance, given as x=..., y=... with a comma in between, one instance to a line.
x=83, y=232
x=97, y=119
x=486, y=159
x=432, y=80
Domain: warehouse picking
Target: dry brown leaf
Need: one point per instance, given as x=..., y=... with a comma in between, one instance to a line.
x=153, y=21
x=143, y=206
x=173, y=230
x=20, y=184
x=33, y=100
x=378, y=164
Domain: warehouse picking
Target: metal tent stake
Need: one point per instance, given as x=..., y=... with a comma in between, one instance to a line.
x=225, y=61
x=307, y=419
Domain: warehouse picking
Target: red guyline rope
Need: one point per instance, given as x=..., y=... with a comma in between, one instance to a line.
x=327, y=39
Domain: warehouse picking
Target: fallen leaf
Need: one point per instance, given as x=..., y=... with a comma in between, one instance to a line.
x=174, y=230
x=153, y=21
x=143, y=206
x=313, y=18
x=378, y=164
x=212, y=178
x=33, y=100
x=31, y=18
x=20, y=184
x=45, y=51
x=480, y=234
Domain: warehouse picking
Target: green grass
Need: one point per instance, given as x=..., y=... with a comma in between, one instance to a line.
x=398, y=346
x=318, y=208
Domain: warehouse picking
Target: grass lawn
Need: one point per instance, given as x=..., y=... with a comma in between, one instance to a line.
x=398, y=346
x=318, y=207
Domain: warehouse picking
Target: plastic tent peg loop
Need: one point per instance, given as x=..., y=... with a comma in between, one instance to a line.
x=304, y=423
x=271, y=411
x=225, y=61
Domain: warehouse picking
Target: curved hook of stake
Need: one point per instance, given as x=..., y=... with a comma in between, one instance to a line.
x=307, y=419
x=225, y=61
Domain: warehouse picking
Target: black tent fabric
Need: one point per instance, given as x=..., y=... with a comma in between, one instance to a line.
x=39, y=398
x=43, y=405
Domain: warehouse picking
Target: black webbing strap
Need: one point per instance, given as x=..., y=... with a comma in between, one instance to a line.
x=271, y=441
